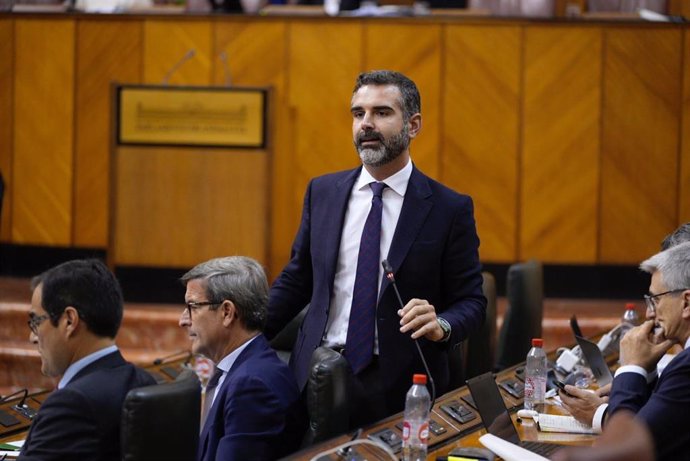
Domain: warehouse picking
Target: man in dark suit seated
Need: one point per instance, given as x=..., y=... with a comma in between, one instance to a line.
x=76, y=311
x=249, y=410
x=351, y=221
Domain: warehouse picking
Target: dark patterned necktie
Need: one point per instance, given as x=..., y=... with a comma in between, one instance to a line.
x=359, y=348
x=208, y=398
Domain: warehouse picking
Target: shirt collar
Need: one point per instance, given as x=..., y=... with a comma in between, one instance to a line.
x=82, y=363
x=397, y=182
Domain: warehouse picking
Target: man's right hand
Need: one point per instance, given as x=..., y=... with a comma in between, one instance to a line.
x=583, y=403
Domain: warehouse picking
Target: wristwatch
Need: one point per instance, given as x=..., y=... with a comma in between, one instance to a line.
x=445, y=326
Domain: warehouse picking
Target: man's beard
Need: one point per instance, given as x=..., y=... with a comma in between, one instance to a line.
x=388, y=150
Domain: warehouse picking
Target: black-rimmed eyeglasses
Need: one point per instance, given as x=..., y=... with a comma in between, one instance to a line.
x=651, y=301
x=35, y=321
x=195, y=306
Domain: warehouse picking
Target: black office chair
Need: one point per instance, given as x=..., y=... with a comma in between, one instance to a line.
x=475, y=355
x=327, y=396
x=522, y=320
x=161, y=422
x=284, y=341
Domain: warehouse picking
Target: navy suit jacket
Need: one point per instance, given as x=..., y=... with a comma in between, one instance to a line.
x=82, y=420
x=434, y=255
x=664, y=406
x=254, y=413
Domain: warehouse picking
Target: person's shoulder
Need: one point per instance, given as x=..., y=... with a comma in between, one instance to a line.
x=438, y=189
x=335, y=177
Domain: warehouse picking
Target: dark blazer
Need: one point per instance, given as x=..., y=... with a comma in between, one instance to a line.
x=82, y=420
x=434, y=255
x=664, y=406
x=253, y=415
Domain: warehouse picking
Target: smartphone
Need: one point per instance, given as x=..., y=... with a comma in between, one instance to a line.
x=561, y=386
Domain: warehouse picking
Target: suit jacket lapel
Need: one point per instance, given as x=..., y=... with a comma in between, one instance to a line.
x=330, y=243
x=415, y=209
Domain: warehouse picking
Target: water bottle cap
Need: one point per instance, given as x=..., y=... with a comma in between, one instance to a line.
x=630, y=307
x=537, y=342
x=419, y=379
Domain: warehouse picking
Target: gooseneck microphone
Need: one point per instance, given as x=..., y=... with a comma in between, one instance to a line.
x=187, y=56
x=388, y=272
x=167, y=358
x=21, y=408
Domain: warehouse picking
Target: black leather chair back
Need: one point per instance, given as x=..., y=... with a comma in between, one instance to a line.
x=284, y=341
x=522, y=320
x=161, y=422
x=327, y=396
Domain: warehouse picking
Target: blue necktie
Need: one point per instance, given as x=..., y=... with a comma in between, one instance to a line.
x=359, y=348
x=208, y=398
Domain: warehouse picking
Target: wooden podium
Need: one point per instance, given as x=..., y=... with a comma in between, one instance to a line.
x=190, y=175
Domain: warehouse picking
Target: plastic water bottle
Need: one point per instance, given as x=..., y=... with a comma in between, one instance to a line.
x=416, y=420
x=630, y=318
x=535, y=376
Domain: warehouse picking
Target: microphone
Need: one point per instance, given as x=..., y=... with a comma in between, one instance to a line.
x=167, y=358
x=223, y=56
x=388, y=272
x=187, y=56
x=22, y=408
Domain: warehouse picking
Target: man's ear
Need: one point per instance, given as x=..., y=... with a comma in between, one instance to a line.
x=71, y=320
x=229, y=311
x=414, y=125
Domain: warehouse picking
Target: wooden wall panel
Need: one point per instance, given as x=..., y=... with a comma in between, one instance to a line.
x=99, y=65
x=43, y=131
x=166, y=43
x=324, y=60
x=481, y=106
x=641, y=109
x=244, y=42
x=684, y=186
x=6, y=122
x=415, y=50
x=177, y=208
x=560, y=154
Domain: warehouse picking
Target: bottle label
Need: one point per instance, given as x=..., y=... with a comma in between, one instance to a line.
x=423, y=432
x=406, y=431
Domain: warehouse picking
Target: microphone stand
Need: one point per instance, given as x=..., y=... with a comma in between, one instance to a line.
x=388, y=271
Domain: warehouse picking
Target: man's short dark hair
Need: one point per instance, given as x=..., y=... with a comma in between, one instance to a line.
x=410, y=102
x=239, y=279
x=680, y=235
x=89, y=287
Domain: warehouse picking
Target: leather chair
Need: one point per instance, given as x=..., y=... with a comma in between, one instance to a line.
x=327, y=396
x=475, y=355
x=522, y=320
x=161, y=422
x=284, y=341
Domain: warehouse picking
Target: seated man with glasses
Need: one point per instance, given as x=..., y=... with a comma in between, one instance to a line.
x=76, y=311
x=661, y=402
x=250, y=407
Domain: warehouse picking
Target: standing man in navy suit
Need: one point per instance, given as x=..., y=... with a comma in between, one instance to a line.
x=426, y=232
x=250, y=407
x=76, y=311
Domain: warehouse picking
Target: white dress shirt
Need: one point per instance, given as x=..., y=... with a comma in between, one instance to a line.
x=356, y=215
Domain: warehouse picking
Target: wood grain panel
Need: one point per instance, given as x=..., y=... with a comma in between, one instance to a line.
x=99, y=65
x=166, y=43
x=43, y=134
x=642, y=93
x=414, y=50
x=684, y=187
x=324, y=60
x=244, y=42
x=176, y=208
x=481, y=103
x=6, y=122
x=560, y=155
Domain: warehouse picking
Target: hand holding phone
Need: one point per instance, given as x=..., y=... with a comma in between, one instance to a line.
x=561, y=386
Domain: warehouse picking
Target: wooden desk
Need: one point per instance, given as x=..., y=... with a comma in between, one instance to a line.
x=456, y=434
